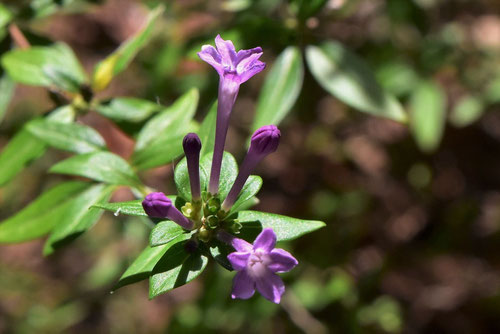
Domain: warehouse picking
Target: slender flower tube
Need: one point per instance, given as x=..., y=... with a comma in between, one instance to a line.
x=257, y=266
x=192, y=147
x=160, y=206
x=264, y=141
x=234, y=68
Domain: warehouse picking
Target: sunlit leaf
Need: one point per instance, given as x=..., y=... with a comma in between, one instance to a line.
x=467, y=110
x=281, y=88
x=41, y=215
x=128, y=109
x=427, y=115
x=347, y=77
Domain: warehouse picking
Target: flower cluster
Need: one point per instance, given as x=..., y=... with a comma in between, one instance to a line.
x=207, y=214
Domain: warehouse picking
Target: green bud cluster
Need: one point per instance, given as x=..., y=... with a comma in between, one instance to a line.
x=208, y=216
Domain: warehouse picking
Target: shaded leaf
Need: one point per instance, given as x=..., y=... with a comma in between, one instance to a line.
x=7, y=86
x=176, y=268
x=40, y=216
x=347, y=77
x=281, y=88
x=77, y=217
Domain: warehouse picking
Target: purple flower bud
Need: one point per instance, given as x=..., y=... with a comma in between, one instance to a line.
x=192, y=147
x=264, y=141
x=234, y=68
x=160, y=206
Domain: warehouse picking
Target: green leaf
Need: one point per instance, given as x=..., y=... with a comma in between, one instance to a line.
x=19, y=152
x=24, y=147
x=250, y=189
x=467, y=110
x=100, y=166
x=130, y=208
x=127, y=109
x=171, y=122
x=219, y=252
x=7, y=87
x=40, y=216
x=77, y=217
x=119, y=60
x=163, y=150
x=142, y=266
x=207, y=131
x=427, y=115
x=38, y=66
x=5, y=16
x=228, y=172
x=281, y=88
x=164, y=232
x=286, y=228
x=175, y=268
x=347, y=77
x=70, y=137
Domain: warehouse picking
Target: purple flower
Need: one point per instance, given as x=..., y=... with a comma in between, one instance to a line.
x=264, y=141
x=160, y=206
x=257, y=266
x=192, y=147
x=234, y=68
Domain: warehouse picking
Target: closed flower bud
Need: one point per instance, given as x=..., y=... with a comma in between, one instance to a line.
x=265, y=140
x=192, y=147
x=160, y=206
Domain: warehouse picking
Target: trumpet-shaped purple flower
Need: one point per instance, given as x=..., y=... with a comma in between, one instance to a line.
x=257, y=266
x=264, y=141
x=160, y=206
x=234, y=68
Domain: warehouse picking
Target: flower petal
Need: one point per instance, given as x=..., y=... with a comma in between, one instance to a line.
x=238, y=260
x=243, y=54
x=243, y=286
x=257, y=67
x=210, y=55
x=270, y=286
x=241, y=245
x=281, y=261
x=266, y=240
x=227, y=52
x=246, y=63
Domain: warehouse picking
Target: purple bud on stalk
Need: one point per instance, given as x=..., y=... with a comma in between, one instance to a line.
x=160, y=206
x=192, y=147
x=264, y=141
x=234, y=68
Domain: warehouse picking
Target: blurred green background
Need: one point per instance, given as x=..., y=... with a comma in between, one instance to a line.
x=412, y=211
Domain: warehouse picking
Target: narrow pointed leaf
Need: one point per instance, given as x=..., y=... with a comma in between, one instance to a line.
x=207, y=131
x=40, y=216
x=347, y=77
x=286, y=228
x=7, y=86
x=100, y=166
x=35, y=66
x=119, y=60
x=70, y=137
x=128, y=109
x=164, y=232
x=427, y=115
x=172, y=121
x=77, y=216
x=250, y=189
x=142, y=266
x=130, y=208
x=175, y=268
x=281, y=88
